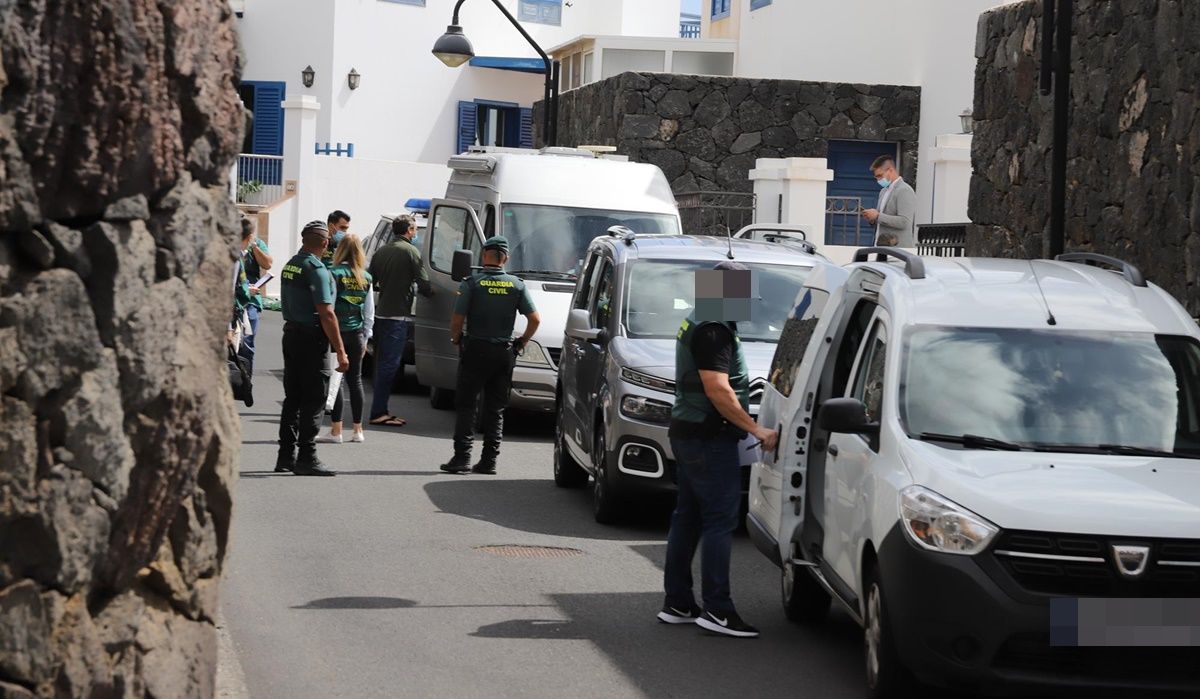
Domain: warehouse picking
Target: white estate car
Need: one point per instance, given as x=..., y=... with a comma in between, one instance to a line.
x=980, y=459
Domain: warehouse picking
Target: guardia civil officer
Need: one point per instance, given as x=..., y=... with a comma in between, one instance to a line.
x=488, y=302
x=310, y=328
x=709, y=418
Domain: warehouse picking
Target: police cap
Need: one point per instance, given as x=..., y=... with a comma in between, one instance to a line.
x=498, y=242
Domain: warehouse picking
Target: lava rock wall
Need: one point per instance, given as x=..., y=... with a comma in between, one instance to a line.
x=119, y=123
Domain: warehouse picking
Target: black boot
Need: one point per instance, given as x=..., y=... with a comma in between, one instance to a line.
x=285, y=462
x=310, y=465
x=461, y=463
x=487, y=462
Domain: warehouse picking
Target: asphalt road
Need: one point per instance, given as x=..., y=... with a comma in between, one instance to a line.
x=370, y=585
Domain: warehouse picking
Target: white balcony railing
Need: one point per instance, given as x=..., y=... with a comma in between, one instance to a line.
x=259, y=179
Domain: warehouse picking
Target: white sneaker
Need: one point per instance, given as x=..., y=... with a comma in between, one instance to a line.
x=330, y=439
x=358, y=437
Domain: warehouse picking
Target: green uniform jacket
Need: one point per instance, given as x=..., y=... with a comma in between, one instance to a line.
x=395, y=268
x=253, y=270
x=490, y=300
x=691, y=403
x=351, y=297
x=305, y=283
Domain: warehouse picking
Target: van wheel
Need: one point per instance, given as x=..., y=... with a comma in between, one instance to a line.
x=886, y=675
x=441, y=399
x=567, y=472
x=606, y=503
x=804, y=600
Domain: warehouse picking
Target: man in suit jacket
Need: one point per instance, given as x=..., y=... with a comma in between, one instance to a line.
x=897, y=211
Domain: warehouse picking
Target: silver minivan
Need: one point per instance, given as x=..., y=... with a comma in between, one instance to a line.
x=617, y=376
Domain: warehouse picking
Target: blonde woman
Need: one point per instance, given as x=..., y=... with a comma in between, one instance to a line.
x=355, y=309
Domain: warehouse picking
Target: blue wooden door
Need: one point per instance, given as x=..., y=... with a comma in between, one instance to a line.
x=266, y=132
x=853, y=188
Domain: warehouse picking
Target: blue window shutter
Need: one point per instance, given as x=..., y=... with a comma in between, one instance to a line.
x=526, y=127
x=468, y=125
x=268, y=117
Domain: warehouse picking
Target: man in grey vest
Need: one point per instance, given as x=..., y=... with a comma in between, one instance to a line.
x=709, y=419
x=897, y=212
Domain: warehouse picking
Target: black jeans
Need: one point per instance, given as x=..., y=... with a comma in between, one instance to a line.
x=487, y=367
x=305, y=383
x=352, y=379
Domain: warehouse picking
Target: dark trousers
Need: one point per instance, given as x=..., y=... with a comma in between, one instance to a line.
x=484, y=367
x=352, y=379
x=246, y=351
x=305, y=383
x=390, y=338
x=710, y=492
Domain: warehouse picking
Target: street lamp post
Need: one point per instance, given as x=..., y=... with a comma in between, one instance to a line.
x=454, y=49
x=1056, y=74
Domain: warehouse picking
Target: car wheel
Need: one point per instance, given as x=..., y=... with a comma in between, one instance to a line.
x=606, y=502
x=567, y=471
x=441, y=399
x=804, y=600
x=886, y=675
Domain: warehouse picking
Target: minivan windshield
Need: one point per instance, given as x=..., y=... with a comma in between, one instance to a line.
x=555, y=238
x=1120, y=393
x=662, y=293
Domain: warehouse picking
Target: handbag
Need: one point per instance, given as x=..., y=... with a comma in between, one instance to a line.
x=240, y=379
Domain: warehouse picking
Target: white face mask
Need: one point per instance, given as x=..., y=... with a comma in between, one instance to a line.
x=884, y=182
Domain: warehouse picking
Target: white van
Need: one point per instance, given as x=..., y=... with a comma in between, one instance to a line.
x=549, y=204
x=992, y=465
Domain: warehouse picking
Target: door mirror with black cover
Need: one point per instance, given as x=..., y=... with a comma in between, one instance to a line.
x=846, y=416
x=460, y=266
x=579, y=326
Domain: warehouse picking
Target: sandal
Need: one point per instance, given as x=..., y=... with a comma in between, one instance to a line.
x=389, y=421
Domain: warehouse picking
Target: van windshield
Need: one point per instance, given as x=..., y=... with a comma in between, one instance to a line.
x=1116, y=393
x=662, y=293
x=554, y=239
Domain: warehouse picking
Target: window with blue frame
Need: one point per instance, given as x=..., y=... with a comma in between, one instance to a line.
x=419, y=3
x=489, y=123
x=541, y=11
x=755, y=4
x=720, y=8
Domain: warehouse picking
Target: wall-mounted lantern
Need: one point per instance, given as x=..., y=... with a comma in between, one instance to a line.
x=308, y=75
x=968, y=121
x=353, y=79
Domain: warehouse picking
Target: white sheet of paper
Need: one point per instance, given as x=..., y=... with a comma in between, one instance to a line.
x=263, y=280
x=749, y=451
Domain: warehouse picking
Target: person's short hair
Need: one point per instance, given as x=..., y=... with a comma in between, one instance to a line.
x=402, y=224
x=337, y=215
x=883, y=161
x=247, y=228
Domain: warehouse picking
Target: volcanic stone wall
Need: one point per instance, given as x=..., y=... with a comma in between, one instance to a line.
x=707, y=132
x=119, y=122
x=1134, y=146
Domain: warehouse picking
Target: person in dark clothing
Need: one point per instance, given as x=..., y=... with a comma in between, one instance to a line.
x=488, y=304
x=256, y=259
x=338, y=222
x=708, y=420
x=395, y=267
x=310, y=328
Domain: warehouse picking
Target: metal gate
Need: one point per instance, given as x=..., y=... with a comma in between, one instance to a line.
x=715, y=213
x=844, y=222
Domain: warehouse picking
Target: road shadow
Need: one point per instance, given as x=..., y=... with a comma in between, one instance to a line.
x=539, y=507
x=379, y=602
x=273, y=474
x=544, y=629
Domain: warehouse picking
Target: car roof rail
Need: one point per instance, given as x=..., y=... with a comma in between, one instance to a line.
x=914, y=266
x=625, y=233
x=1132, y=274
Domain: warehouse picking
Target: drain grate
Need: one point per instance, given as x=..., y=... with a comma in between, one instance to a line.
x=518, y=551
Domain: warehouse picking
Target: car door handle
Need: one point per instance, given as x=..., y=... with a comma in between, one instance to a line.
x=833, y=450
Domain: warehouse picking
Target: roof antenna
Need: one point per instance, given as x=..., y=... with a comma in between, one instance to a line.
x=729, y=241
x=1050, y=320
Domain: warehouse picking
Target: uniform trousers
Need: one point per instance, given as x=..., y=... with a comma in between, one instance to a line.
x=305, y=383
x=485, y=367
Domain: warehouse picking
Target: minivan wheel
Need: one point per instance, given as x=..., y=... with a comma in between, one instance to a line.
x=804, y=600
x=441, y=399
x=567, y=471
x=886, y=675
x=606, y=503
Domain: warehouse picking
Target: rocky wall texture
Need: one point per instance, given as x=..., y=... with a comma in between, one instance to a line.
x=119, y=121
x=707, y=132
x=1134, y=146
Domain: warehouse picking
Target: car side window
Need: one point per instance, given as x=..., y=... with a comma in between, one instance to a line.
x=868, y=384
x=377, y=240
x=583, y=293
x=489, y=222
x=447, y=231
x=602, y=305
x=795, y=339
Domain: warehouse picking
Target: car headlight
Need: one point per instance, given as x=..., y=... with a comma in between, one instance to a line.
x=532, y=355
x=647, y=381
x=648, y=409
x=937, y=524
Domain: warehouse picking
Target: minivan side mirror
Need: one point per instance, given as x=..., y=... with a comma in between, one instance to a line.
x=460, y=266
x=579, y=327
x=846, y=416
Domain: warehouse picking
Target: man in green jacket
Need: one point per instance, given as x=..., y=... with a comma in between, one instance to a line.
x=395, y=267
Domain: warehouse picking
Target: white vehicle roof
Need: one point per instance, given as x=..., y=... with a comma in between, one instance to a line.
x=577, y=180
x=984, y=292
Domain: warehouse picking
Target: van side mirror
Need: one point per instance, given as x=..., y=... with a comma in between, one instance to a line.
x=846, y=416
x=460, y=266
x=579, y=327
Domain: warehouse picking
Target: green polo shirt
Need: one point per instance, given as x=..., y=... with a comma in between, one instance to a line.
x=305, y=283
x=253, y=269
x=351, y=297
x=490, y=300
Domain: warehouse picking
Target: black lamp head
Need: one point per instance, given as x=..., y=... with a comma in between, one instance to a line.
x=453, y=48
x=308, y=75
